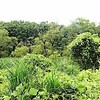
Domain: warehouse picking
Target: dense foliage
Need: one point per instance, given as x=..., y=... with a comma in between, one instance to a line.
x=47, y=61
x=40, y=38
x=26, y=80
x=85, y=50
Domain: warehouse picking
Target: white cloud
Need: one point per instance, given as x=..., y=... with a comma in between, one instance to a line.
x=61, y=11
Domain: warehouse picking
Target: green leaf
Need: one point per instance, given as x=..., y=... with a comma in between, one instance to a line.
x=81, y=88
x=41, y=93
x=19, y=89
x=33, y=91
x=6, y=98
x=15, y=93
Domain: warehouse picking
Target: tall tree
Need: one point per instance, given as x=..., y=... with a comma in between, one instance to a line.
x=7, y=44
x=80, y=25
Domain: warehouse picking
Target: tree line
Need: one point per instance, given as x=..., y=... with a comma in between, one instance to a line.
x=18, y=38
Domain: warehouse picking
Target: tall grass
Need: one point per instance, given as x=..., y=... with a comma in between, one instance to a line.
x=67, y=66
x=52, y=83
x=18, y=74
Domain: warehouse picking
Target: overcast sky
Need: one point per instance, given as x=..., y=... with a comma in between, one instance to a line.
x=60, y=11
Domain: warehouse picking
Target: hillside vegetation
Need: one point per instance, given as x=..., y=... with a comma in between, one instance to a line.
x=47, y=61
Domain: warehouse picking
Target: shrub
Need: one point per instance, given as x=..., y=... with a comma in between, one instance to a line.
x=85, y=50
x=88, y=85
x=36, y=49
x=38, y=60
x=20, y=51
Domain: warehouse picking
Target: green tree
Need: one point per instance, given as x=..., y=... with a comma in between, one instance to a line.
x=79, y=26
x=7, y=44
x=85, y=50
x=20, y=51
x=22, y=30
x=98, y=30
x=53, y=40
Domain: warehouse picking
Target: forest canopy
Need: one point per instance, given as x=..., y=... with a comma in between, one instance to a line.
x=41, y=38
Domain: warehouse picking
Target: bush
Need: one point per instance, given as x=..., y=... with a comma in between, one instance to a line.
x=38, y=61
x=58, y=85
x=88, y=85
x=36, y=49
x=20, y=51
x=85, y=50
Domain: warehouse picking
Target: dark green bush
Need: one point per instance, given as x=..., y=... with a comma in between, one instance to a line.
x=85, y=50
